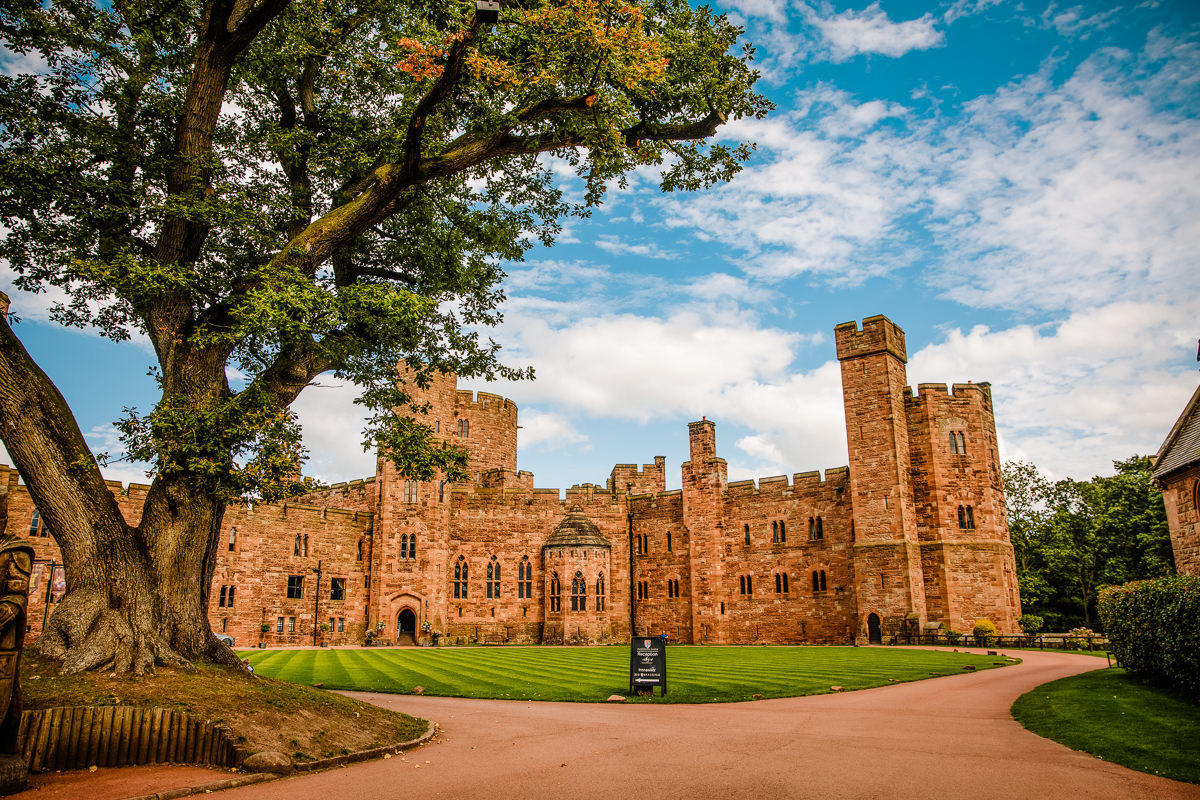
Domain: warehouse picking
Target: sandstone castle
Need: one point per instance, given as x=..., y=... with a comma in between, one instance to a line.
x=911, y=534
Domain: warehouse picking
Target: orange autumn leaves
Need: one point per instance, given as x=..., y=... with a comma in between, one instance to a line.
x=574, y=44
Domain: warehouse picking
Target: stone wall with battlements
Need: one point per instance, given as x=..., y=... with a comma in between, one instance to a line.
x=814, y=558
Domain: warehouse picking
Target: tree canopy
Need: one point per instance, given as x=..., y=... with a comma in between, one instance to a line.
x=1072, y=537
x=285, y=188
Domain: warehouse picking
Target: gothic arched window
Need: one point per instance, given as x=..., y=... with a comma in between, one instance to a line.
x=493, y=579
x=460, y=578
x=578, y=593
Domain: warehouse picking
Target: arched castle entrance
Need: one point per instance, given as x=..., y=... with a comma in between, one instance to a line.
x=874, y=630
x=406, y=627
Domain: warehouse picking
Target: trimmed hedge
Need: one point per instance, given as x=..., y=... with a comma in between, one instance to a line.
x=1153, y=629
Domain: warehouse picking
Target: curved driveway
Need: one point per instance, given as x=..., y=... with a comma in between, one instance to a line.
x=946, y=738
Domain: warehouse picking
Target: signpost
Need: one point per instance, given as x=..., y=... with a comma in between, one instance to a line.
x=648, y=663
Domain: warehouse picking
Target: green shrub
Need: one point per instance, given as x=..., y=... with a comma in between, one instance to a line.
x=1030, y=624
x=984, y=632
x=1153, y=631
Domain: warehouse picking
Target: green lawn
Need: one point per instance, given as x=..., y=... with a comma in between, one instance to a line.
x=1110, y=715
x=591, y=674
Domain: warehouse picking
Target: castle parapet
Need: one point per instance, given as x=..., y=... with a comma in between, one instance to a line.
x=650, y=479
x=878, y=335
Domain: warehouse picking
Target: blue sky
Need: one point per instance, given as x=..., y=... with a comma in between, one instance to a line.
x=1017, y=185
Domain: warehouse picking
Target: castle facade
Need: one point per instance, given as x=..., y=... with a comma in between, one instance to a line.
x=911, y=535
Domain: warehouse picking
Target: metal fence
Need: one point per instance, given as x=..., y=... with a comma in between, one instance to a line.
x=1039, y=642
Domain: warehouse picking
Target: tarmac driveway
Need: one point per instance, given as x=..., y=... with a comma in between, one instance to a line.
x=946, y=738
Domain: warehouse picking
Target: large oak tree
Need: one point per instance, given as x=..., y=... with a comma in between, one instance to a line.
x=285, y=188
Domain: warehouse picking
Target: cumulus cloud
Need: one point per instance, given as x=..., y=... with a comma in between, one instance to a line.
x=1048, y=194
x=871, y=31
x=547, y=430
x=333, y=427
x=1071, y=396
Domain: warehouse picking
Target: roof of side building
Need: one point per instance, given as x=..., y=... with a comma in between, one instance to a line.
x=1182, y=446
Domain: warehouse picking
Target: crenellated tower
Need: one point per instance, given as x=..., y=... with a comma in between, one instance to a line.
x=967, y=556
x=704, y=482
x=889, y=585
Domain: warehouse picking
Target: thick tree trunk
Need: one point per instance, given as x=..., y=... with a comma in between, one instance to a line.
x=135, y=595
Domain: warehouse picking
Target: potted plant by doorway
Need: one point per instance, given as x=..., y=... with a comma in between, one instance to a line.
x=324, y=630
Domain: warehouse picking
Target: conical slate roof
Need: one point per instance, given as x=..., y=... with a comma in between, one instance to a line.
x=576, y=530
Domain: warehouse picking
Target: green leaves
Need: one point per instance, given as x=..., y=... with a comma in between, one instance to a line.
x=329, y=186
x=1072, y=537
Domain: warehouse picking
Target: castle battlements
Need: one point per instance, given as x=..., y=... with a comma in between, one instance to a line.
x=483, y=401
x=878, y=335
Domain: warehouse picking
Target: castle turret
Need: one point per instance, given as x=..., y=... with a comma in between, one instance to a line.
x=888, y=580
x=704, y=482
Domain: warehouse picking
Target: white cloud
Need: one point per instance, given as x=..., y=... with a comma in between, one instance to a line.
x=1069, y=21
x=853, y=33
x=1046, y=195
x=545, y=430
x=619, y=247
x=1100, y=385
x=333, y=427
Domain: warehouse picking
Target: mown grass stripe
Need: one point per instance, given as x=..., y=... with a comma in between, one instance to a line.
x=695, y=673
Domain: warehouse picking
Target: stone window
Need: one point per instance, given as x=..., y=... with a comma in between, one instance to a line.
x=460, y=577
x=35, y=523
x=492, y=587
x=291, y=624
x=296, y=545
x=966, y=518
x=958, y=443
x=774, y=532
x=722, y=606
x=464, y=428
x=341, y=624
x=578, y=593
x=359, y=553
x=232, y=538
x=441, y=491
x=437, y=426
x=746, y=534
x=524, y=579
x=295, y=587
x=410, y=491
x=819, y=581
x=668, y=541
x=816, y=529
x=781, y=583
x=600, y=596
x=555, y=593
x=279, y=625
x=337, y=588
x=782, y=532
x=221, y=599
x=746, y=585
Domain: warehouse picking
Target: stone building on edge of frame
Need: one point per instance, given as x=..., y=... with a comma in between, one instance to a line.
x=911, y=534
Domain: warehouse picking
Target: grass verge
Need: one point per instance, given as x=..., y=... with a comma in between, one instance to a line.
x=695, y=674
x=1110, y=715
x=264, y=714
